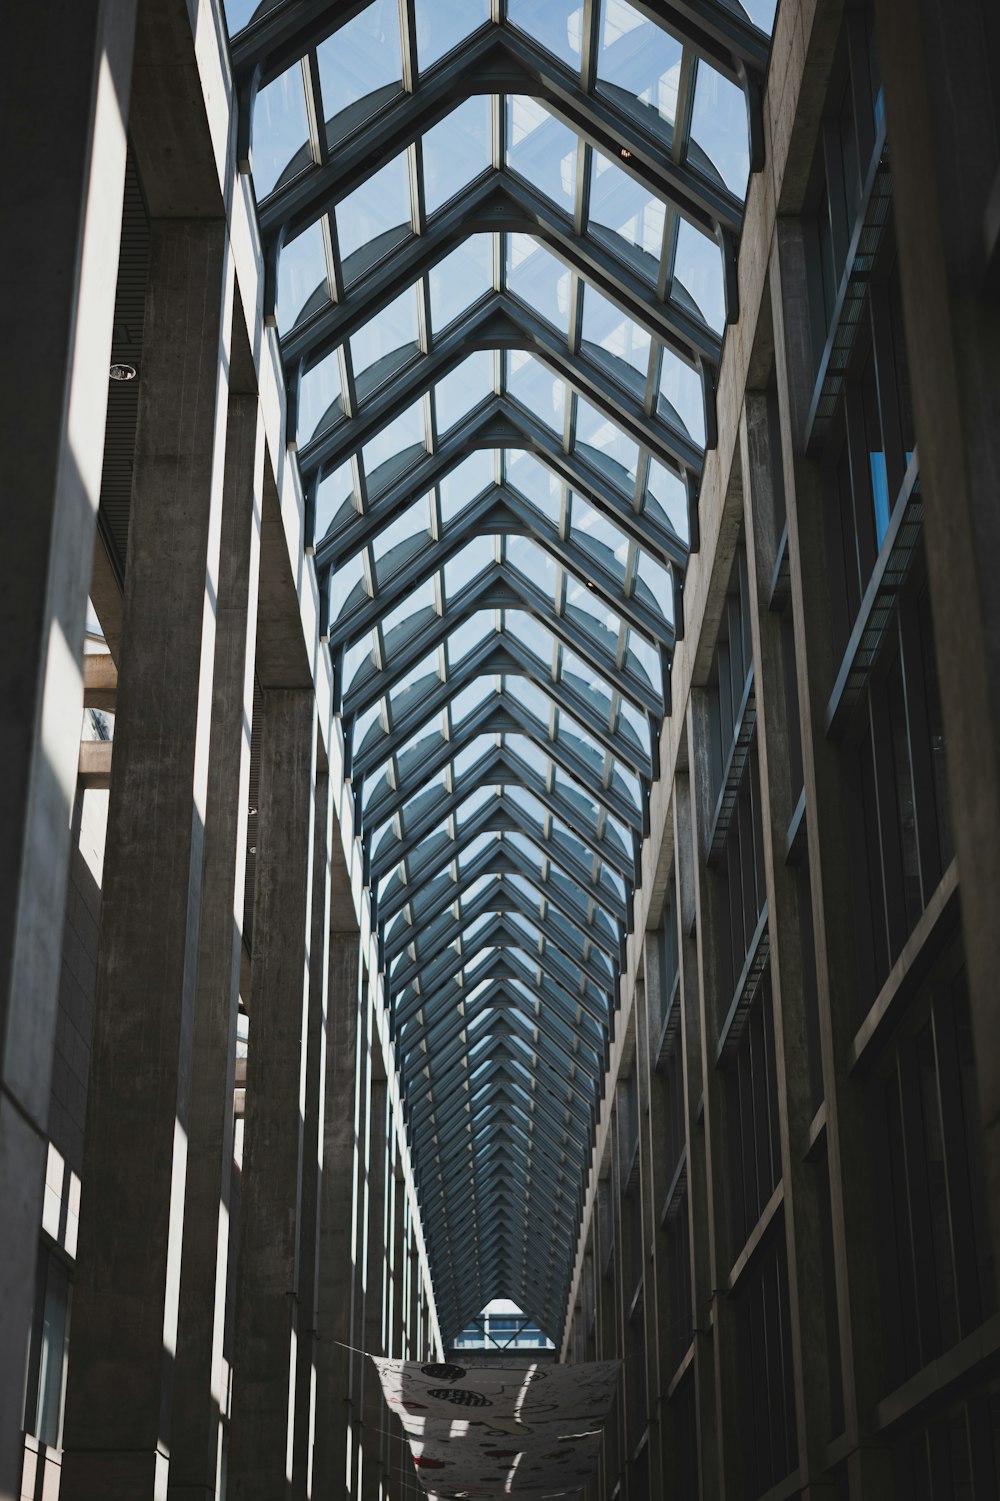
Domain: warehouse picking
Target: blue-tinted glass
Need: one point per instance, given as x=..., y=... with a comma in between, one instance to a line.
x=319, y=389
x=460, y=280
x=537, y=278
x=393, y=329
x=442, y=24
x=374, y=215
x=621, y=207
x=396, y=440
x=542, y=150
x=280, y=131
x=467, y=385
x=536, y=565
x=468, y=563
x=420, y=599
x=457, y=150
x=666, y=490
x=719, y=142
x=239, y=13
x=468, y=635
x=535, y=481
x=607, y=328
x=360, y=655
x=657, y=580
x=360, y=59
x=639, y=62
x=590, y=524
x=761, y=13
x=301, y=277
x=556, y=25
x=467, y=480
x=698, y=268
x=680, y=389
x=616, y=453
x=335, y=492
x=536, y=388
x=412, y=526
x=343, y=581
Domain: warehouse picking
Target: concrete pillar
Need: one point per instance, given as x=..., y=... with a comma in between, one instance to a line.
x=803, y=1185
x=199, y=1395
x=261, y=1431
x=375, y=1336
x=63, y=117
x=332, y=1462
x=938, y=68
x=312, y=1155
x=120, y=1387
x=848, y=1139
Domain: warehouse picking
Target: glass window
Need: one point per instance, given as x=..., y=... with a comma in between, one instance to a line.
x=465, y=387
x=535, y=481
x=604, y=444
x=320, y=405
x=396, y=441
x=622, y=210
x=538, y=279
x=334, y=496
x=719, y=143
x=542, y=150
x=393, y=331
x=280, y=132
x=666, y=493
x=698, y=271
x=442, y=24
x=457, y=150
x=607, y=329
x=375, y=216
x=460, y=280
x=302, y=285
x=360, y=61
x=411, y=525
x=464, y=483
x=344, y=582
x=468, y=563
x=639, y=63
x=556, y=25
x=536, y=388
x=47, y=1351
x=680, y=401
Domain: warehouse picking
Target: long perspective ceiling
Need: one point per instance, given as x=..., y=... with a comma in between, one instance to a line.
x=500, y=240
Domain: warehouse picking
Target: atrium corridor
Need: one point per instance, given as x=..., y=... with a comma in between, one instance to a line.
x=501, y=716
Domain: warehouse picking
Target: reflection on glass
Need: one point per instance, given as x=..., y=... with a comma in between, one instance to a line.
x=467, y=564
x=719, y=142
x=639, y=62
x=556, y=25
x=334, y=494
x=698, y=269
x=460, y=280
x=442, y=24
x=396, y=440
x=681, y=397
x=465, y=387
x=535, y=481
x=542, y=150
x=360, y=59
x=614, y=451
x=666, y=490
x=414, y=524
x=394, y=328
x=343, y=582
x=456, y=151
x=319, y=389
x=537, y=278
x=536, y=388
x=379, y=207
x=280, y=132
x=301, y=277
x=626, y=343
x=467, y=480
x=624, y=209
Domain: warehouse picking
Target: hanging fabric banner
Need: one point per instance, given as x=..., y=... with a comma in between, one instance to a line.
x=499, y=1430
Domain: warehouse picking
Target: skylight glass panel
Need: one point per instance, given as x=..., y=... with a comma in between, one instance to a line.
x=536, y=388
x=658, y=581
x=646, y=656
x=530, y=633
x=239, y=13
x=639, y=63
x=334, y=494
x=398, y=440
x=541, y=150
x=360, y=61
x=464, y=483
x=457, y=150
x=442, y=24
x=666, y=490
x=471, y=698
x=529, y=752
x=412, y=525
x=301, y=277
x=538, y=279
x=623, y=209
x=393, y=331
x=361, y=654
x=698, y=269
x=425, y=672
x=535, y=481
x=464, y=388
x=343, y=582
x=534, y=563
x=460, y=280
x=468, y=635
x=761, y=13
x=626, y=343
x=719, y=142
x=280, y=132
x=556, y=25
x=418, y=601
x=468, y=564
x=588, y=523
x=532, y=698
x=595, y=617
x=375, y=216
x=319, y=389
x=585, y=679
x=616, y=454
x=637, y=722
x=681, y=397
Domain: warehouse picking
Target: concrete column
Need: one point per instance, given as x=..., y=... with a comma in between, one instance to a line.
x=312, y=1156
x=939, y=73
x=802, y=1186
x=199, y=1395
x=261, y=1431
x=375, y=1340
x=63, y=117
x=652, y=1190
x=847, y=1135
x=119, y=1392
x=338, y=1239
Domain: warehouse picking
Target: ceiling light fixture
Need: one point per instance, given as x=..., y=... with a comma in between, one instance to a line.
x=123, y=372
